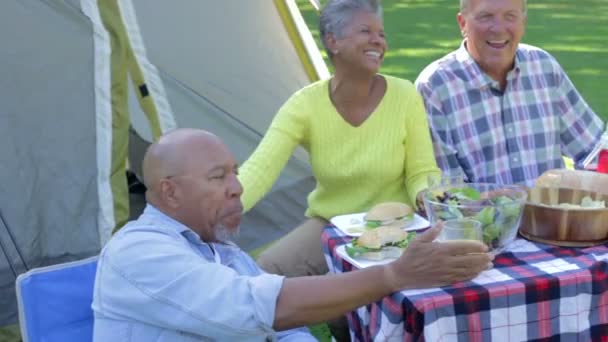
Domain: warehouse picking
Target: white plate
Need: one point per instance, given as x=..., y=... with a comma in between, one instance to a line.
x=359, y=263
x=354, y=225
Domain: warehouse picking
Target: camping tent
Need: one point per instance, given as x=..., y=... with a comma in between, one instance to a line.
x=80, y=78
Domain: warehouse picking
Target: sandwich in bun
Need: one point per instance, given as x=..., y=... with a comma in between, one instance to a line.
x=381, y=243
x=388, y=213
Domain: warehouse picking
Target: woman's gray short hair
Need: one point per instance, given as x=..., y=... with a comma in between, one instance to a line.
x=336, y=15
x=465, y=3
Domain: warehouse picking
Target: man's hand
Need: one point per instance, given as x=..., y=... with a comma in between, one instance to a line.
x=430, y=264
x=307, y=300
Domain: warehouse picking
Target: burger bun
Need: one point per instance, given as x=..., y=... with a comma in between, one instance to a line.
x=389, y=212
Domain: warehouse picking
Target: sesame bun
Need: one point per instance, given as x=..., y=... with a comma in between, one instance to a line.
x=388, y=212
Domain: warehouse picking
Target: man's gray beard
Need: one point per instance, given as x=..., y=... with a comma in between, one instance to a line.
x=225, y=234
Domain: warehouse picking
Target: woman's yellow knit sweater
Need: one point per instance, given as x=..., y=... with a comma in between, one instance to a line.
x=386, y=158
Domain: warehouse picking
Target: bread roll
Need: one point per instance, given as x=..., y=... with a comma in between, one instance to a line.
x=381, y=236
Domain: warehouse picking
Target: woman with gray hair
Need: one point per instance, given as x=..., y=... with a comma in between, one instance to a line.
x=366, y=134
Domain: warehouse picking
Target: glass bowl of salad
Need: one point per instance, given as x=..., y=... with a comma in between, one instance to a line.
x=498, y=208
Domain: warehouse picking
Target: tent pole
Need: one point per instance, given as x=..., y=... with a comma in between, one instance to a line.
x=4, y=248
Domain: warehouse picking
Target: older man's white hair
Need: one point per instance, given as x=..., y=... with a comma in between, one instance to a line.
x=465, y=3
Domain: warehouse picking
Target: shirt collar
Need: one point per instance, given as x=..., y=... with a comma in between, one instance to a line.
x=226, y=250
x=169, y=222
x=477, y=77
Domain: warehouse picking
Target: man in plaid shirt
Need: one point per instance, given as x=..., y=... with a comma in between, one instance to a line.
x=500, y=111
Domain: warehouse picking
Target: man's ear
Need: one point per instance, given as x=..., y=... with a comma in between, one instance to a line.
x=462, y=23
x=169, y=193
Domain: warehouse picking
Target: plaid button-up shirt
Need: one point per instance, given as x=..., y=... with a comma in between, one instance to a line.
x=505, y=137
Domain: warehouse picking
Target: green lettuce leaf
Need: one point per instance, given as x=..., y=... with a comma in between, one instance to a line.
x=491, y=233
x=485, y=216
x=465, y=193
x=353, y=250
x=373, y=224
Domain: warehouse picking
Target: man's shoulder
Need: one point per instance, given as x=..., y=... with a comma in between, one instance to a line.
x=136, y=237
x=449, y=66
x=147, y=226
x=534, y=61
x=531, y=53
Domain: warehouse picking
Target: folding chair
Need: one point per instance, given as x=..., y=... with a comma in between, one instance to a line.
x=55, y=302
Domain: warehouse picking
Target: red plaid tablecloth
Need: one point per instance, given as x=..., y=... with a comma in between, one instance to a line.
x=535, y=292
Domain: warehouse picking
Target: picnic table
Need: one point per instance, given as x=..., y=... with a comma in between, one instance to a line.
x=534, y=292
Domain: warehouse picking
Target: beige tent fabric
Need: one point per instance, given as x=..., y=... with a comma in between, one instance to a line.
x=236, y=54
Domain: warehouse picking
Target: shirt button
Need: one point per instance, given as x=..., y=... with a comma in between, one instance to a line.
x=515, y=159
x=509, y=129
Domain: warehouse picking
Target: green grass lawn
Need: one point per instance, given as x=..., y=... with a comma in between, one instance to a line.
x=575, y=32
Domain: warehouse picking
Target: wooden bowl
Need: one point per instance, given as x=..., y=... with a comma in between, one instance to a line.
x=574, y=179
x=564, y=226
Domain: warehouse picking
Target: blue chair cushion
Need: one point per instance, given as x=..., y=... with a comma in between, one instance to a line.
x=55, y=302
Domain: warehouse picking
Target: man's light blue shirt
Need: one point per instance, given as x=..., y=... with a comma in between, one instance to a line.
x=158, y=281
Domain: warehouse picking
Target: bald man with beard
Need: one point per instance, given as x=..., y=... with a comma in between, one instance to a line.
x=174, y=274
